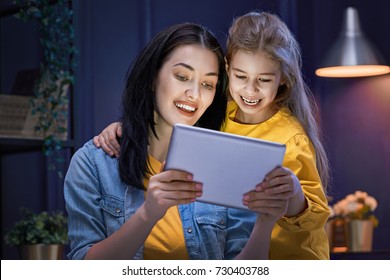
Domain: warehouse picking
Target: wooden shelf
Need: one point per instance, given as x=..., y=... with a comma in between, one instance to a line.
x=12, y=145
x=382, y=254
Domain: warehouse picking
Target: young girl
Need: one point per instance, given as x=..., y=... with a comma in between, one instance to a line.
x=272, y=102
x=128, y=207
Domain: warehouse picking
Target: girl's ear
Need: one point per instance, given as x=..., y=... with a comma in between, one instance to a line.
x=282, y=81
x=226, y=66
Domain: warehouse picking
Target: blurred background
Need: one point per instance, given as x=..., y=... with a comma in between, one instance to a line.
x=354, y=112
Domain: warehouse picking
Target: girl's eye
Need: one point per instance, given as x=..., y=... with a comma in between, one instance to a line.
x=264, y=80
x=208, y=86
x=181, y=78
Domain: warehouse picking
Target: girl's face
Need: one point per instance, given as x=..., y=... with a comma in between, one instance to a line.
x=253, y=83
x=185, y=86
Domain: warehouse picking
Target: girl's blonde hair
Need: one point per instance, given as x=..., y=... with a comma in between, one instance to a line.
x=266, y=32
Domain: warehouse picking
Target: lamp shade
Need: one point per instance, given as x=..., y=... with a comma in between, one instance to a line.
x=352, y=55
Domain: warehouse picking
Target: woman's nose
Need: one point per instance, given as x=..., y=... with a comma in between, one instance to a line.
x=192, y=92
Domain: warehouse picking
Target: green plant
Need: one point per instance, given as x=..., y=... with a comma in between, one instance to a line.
x=42, y=228
x=54, y=19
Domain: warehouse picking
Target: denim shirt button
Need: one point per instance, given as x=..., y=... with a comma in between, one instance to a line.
x=189, y=230
x=117, y=210
x=222, y=222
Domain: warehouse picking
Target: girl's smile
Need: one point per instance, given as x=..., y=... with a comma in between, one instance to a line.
x=254, y=80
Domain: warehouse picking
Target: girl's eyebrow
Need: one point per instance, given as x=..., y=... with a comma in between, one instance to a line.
x=189, y=67
x=242, y=71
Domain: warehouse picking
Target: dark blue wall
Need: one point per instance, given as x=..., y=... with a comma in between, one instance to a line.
x=355, y=113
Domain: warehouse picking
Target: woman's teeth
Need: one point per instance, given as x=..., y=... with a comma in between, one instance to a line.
x=185, y=107
x=250, y=102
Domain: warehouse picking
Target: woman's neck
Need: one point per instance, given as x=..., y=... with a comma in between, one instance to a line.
x=158, y=148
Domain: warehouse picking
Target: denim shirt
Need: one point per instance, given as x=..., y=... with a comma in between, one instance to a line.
x=99, y=203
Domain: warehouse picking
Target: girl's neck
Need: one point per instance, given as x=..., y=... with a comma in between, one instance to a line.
x=258, y=118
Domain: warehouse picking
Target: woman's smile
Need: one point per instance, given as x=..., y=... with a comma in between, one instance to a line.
x=186, y=108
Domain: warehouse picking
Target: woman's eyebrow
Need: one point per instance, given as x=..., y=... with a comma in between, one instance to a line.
x=189, y=67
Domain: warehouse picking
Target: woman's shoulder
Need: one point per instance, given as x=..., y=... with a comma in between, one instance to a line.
x=95, y=156
x=88, y=149
x=89, y=160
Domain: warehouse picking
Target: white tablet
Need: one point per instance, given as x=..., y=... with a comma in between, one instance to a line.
x=228, y=165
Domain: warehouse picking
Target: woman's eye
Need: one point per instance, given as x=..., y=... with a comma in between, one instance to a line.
x=241, y=77
x=182, y=78
x=208, y=86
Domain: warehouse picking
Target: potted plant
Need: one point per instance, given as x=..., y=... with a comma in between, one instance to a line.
x=39, y=235
x=352, y=222
x=50, y=103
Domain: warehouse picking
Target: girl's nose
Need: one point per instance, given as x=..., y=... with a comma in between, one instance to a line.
x=251, y=87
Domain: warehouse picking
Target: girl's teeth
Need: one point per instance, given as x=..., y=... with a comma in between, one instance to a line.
x=250, y=102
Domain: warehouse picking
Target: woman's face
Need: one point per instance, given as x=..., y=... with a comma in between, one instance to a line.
x=185, y=86
x=253, y=83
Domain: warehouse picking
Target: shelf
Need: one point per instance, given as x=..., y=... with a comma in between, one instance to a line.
x=12, y=145
x=381, y=254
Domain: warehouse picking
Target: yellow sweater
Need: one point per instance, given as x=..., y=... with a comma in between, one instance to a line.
x=303, y=236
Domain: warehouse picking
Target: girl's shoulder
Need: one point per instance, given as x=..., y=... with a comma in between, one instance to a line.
x=287, y=119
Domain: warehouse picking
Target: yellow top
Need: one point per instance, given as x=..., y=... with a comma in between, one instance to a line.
x=303, y=236
x=166, y=240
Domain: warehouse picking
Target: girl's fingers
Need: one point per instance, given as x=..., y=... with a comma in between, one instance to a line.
x=286, y=188
x=104, y=146
x=275, y=208
x=119, y=131
x=272, y=182
x=278, y=171
x=108, y=139
x=280, y=180
x=96, y=141
x=276, y=213
x=274, y=203
x=111, y=142
x=252, y=196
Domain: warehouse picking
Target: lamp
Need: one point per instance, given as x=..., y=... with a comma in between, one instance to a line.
x=352, y=55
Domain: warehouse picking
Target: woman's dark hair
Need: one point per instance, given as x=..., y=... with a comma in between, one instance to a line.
x=139, y=100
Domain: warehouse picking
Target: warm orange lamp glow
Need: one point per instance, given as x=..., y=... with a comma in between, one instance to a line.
x=352, y=55
x=353, y=71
